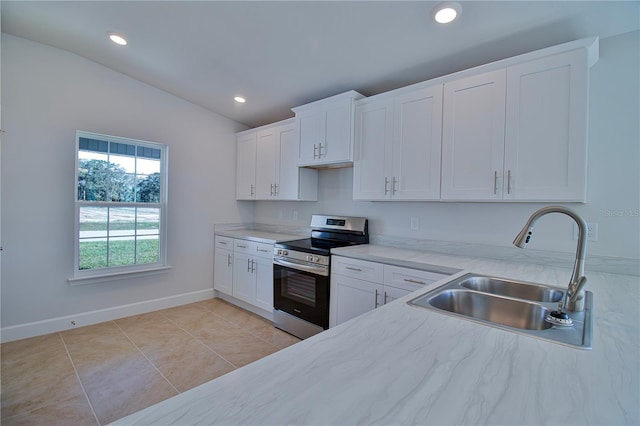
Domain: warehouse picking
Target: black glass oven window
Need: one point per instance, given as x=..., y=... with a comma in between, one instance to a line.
x=300, y=288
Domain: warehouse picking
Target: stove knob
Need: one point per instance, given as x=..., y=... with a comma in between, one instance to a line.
x=309, y=258
x=284, y=252
x=316, y=259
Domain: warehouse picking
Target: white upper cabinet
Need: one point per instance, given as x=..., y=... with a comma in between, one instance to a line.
x=372, y=164
x=267, y=165
x=518, y=133
x=416, y=145
x=325, y=129
x=473, y=137
x=246, y=166
x=397, y=146
x=546, y=129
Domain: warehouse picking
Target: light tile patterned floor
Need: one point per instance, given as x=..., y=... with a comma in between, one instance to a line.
x=100, y=373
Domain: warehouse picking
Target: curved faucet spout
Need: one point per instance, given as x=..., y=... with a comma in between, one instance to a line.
x=574, y=297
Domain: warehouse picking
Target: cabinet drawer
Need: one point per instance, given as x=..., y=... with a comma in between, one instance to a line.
x=409, y=279
x=244, y=246
x=224, y=242
x=263, y=250
x=355, y=268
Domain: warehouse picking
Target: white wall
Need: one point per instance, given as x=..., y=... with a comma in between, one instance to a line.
x=613, y=181
x=48, y=94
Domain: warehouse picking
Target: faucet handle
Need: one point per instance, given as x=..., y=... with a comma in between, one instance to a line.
x=576, y=287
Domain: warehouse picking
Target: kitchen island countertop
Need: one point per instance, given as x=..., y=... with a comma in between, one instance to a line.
x=403, y=364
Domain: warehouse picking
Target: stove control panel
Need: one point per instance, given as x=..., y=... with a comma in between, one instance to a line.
x=300, y=256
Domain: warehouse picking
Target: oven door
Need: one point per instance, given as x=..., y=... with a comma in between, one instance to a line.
x=301, y=293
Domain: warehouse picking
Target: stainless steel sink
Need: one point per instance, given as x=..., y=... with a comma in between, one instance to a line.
x=510, y=288
x=517, y=306
x=509, y=312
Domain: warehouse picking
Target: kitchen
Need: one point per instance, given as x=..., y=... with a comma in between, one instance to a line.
x=37, y=79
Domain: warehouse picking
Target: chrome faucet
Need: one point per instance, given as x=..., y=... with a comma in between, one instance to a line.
x=574, y=296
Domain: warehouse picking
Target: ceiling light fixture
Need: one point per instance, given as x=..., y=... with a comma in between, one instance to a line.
x=240, y=99
x=446, y=12
x=118, y=39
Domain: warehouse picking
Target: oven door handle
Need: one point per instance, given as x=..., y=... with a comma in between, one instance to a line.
x=314, y=269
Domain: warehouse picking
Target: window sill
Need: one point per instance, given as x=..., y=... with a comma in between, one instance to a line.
x=113, y=276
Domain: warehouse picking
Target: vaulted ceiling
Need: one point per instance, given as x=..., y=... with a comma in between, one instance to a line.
x=280, y=54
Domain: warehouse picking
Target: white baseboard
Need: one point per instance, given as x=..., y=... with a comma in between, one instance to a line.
x=38, y=328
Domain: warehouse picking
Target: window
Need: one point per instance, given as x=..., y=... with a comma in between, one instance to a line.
x=121, y=195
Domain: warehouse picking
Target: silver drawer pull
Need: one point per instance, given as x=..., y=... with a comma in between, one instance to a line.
x=224, y=243
x=241, y=246
x=376, y=295
x=409, y=280
x=351, y=268
x=264, y=251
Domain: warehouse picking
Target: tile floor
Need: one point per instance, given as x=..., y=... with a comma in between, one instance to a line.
x=100, y=373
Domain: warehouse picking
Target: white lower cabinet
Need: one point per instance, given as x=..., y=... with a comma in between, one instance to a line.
x=246, y=273
x=359, y=286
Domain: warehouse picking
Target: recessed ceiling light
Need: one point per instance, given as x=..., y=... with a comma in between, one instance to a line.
x=118, y=39
x=240, y=99
x=446, y=12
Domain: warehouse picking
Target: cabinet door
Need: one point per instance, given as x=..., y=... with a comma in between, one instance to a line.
x=473, y=137
x=372, y=157
x=337, y=144
x=352, y=297
x=263, y=270
x=267, y=162
x=246, y=167
x=223, y=271
x=288, y=184
x=417, y=145
x=244, y=281
x=546, y=129
x=389, y=294
x=311, y=130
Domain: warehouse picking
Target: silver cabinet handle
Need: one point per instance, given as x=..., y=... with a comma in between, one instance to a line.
x=275, y=189
x=248, y=265
x=393, y=186
x=315, y=149
x=320, y=151
x=224, y=243
x=262, y=250
x=253, y=266
x=376, y=295
x=509, y=182
x=253, y=190
x=241, y=246
x=385, y=297
x=351, y=268
x=229, y=259
x=386, y=183
x=495, y=182
x=409, y=280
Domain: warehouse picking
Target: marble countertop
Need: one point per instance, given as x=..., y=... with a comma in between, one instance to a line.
x=400, y=364
x=258, y=235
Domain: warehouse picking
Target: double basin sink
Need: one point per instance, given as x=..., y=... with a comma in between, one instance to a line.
x=517, y=306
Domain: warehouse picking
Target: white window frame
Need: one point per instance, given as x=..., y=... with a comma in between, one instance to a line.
x=87, y=276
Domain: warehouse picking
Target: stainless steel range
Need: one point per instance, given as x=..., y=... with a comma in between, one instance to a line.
x=301, y=270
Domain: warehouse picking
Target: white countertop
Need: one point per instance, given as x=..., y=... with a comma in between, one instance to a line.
x=259, y=236
x=403, y=364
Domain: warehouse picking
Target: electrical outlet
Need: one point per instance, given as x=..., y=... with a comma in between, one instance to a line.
x=592, y=231
x=415, y=223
